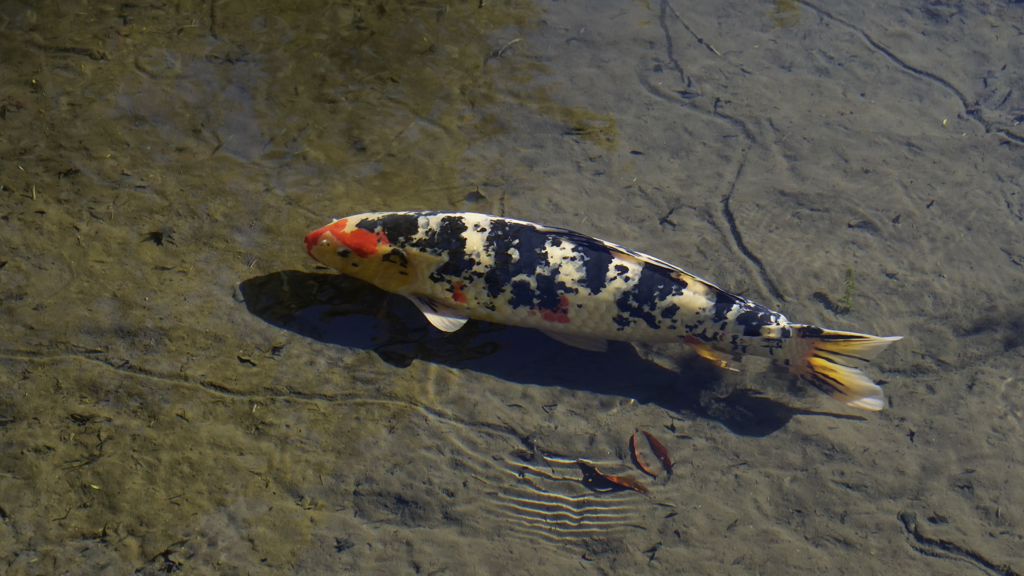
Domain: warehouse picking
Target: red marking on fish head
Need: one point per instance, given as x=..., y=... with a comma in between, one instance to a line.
x=314, y=237
x=311, y=239
x=363, y=242
x=348, y=247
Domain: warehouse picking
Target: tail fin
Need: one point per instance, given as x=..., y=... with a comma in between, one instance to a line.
x=831, y=362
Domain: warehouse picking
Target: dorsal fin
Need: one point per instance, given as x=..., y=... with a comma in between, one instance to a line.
x=672, y=270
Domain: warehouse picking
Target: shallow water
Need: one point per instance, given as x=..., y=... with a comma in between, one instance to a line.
x=182, y=390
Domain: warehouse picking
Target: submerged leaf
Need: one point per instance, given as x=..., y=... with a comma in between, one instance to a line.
x=597, y=480
x=659, y=450
x=636, y=458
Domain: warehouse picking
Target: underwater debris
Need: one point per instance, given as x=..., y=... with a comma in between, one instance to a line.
x=659, y=451
x=843, y=305
x=599, y=481
x=637, y=460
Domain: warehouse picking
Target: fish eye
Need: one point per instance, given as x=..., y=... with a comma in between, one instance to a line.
x=344, y=252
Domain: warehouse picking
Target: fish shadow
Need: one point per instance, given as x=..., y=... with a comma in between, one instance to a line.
x=344, y=311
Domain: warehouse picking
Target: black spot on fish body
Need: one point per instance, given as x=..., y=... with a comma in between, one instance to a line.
x=751, y=322
x=670, y=311
x=369, y=224
x=402, y=227
x=703, y=335
x=754, y=317
x=810, y=332
x=595, y=270
x=621, y=269
x=530, y=245
x=398, y=228
x=682, y=282
x=522, y=294
x=549, y=292
x=496, y=279
x=633, y=309
x=396, y=255
x=653, y=287
x=724, y=303
x=448, y=240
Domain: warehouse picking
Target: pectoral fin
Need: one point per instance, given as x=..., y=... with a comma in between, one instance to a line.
x=442, y=317
x=717, y=356
x=582, y=342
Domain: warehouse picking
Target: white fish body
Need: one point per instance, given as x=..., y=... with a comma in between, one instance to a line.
x=581, y=291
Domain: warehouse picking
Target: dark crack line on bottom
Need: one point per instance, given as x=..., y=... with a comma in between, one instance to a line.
x=285, y=395
x=1009, y=136
x=738, y=238
x=972, y=110
x=668, y=41
x=701, y=41
x=939, y=548
x=213, y=19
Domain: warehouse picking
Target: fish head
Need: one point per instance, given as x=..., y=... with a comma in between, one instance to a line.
x=361, y=253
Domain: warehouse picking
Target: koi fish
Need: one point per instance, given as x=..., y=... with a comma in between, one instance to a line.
x=583, y=292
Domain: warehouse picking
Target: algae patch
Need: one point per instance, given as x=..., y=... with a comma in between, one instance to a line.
x=844, y=304
x=786, y=14
x=586, y=125
x=390, y=100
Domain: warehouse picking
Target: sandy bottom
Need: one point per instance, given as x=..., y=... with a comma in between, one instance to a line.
x=181, y=390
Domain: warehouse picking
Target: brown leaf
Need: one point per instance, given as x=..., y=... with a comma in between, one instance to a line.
x=627, y=482
x=595, y=479
x=660, y=451
x=636, y=457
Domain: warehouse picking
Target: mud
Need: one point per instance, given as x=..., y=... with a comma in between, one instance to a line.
x=182, y=390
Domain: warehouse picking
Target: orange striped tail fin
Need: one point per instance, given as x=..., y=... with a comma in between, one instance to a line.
x=833, y=360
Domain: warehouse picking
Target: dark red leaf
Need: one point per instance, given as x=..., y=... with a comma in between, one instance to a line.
x=659, y=451
x=636, y=457
x=596, y=479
